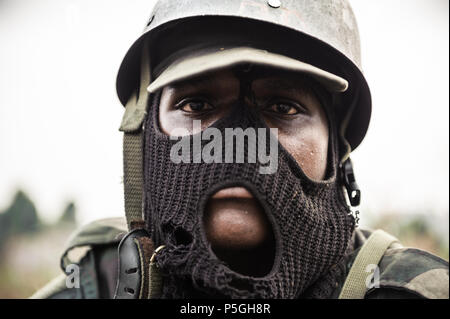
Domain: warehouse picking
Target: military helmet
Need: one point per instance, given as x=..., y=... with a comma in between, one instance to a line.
x=321, y=33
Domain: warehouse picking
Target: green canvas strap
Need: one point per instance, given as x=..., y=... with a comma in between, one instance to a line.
x=155, y=277
x=371, y=253
x=133, y=179
x=135, y=112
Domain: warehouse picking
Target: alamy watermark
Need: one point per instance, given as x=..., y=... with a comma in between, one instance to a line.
x=373, y=279
x=234, y=152
x=73, y=276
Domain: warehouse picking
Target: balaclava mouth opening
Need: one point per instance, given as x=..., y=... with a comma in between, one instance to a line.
x=311, y=221
x=249, y=251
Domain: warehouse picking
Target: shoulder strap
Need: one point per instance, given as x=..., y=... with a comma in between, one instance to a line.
x=371, y=253
x=58, y=284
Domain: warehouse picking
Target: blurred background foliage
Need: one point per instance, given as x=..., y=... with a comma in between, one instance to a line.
x=30, y=249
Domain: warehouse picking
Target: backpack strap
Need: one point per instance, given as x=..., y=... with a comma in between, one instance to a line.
x=370, y=253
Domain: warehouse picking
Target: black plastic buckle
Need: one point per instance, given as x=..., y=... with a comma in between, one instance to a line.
x=353, y=191
x=129, y=273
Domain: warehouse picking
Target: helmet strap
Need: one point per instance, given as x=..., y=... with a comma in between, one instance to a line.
x=132, y=126
x=138, y=275
x=345, y=166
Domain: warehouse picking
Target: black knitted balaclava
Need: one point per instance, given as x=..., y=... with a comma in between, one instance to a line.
x=310, y=220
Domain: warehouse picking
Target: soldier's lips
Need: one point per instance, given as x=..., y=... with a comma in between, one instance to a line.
x=232, y=192
x=239, y=231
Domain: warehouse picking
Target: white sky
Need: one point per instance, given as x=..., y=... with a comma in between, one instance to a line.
x=59, y=115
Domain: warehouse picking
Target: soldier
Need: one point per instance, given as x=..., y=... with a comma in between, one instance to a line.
x=272, y=219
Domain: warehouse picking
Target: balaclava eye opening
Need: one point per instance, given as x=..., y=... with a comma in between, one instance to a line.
x=310, y=219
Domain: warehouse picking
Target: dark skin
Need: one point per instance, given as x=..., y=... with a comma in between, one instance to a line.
x=235, y=223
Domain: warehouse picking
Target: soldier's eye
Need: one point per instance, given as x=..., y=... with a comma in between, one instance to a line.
x=194, y=106
x=285, y=108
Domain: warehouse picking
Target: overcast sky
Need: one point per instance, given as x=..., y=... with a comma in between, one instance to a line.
x=59, y=115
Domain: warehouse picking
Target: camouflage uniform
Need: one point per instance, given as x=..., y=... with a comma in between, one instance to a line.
x=406, y=273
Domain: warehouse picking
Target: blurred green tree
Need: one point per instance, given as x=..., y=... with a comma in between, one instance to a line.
x=19, y=218
x=69, y=214
x=22, y=234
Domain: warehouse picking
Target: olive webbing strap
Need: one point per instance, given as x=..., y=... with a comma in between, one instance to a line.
x=135, y=112
x=371, y=252
x=133, y=179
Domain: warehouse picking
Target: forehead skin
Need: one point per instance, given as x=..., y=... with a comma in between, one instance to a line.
x=303, y=135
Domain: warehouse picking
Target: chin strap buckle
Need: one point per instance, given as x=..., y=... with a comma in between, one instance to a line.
x=138, y=274
x=348, y=176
